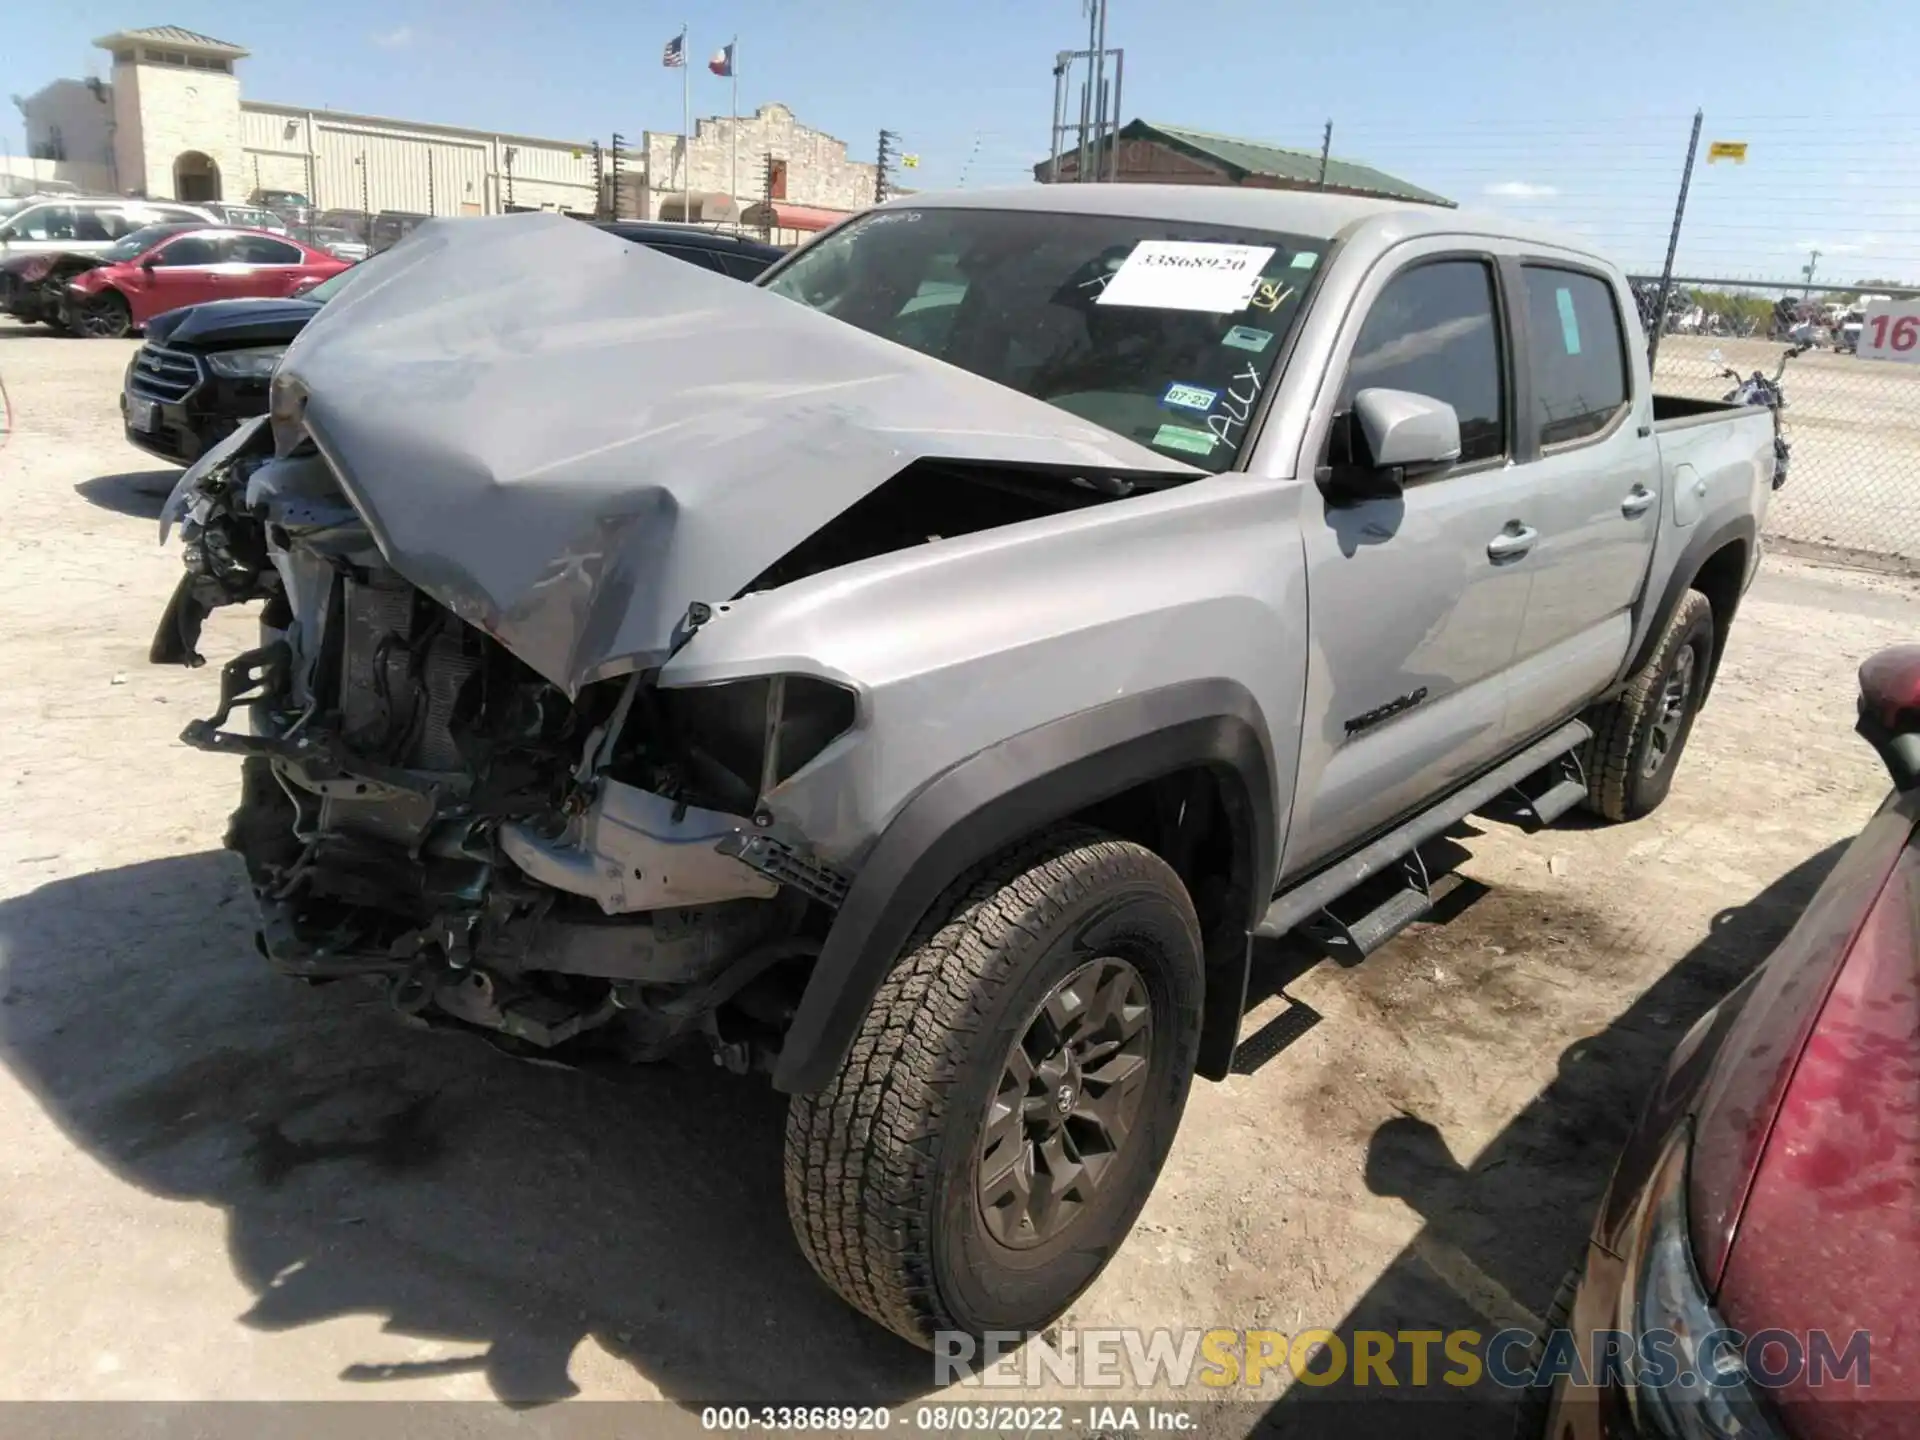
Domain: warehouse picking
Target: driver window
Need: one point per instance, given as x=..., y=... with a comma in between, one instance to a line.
x=189, y=250
x=1434, y=330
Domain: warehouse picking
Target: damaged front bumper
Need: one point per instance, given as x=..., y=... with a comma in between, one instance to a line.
x=420, y=807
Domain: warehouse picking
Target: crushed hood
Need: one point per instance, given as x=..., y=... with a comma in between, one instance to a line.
x=566, y=438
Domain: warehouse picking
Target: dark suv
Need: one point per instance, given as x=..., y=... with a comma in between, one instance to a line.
x=205, y=368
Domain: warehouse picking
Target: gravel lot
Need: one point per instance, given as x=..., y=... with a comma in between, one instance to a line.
x=221, y=1184
x=1855, y=429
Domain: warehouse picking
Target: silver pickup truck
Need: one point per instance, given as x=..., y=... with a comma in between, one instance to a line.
x=923, y=677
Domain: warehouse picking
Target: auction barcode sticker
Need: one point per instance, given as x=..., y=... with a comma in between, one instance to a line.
x=1187, y=275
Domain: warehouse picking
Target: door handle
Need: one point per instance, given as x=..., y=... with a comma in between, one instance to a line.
x=1512, y=542
x=1638, y=500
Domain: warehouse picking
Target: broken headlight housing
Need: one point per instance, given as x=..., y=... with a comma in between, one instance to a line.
x=745, y=737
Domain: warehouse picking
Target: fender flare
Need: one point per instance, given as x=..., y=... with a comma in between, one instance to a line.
x=1013, y=788
x=1705, y=542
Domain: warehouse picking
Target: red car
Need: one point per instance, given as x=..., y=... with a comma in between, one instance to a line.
x=164, y=267
x=1763, y=1225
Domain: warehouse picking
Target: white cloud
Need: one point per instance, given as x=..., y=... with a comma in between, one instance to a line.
x=1521, y=190
x=395, y=39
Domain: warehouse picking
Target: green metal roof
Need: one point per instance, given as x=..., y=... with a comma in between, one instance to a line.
x=1242, y=158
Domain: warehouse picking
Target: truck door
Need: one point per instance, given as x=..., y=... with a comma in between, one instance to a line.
x=1593, y=466
x=1415, y=602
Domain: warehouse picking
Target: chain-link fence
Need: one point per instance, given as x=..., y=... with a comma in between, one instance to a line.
x=1853, y=422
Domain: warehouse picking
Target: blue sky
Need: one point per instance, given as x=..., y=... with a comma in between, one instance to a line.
x=1573, y=113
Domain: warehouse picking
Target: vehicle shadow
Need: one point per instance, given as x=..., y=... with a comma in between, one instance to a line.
x=139, y=493
x=1500, y=1233
x=502, y=1210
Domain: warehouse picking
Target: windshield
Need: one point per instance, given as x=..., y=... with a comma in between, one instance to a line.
x=136, y=243
x=1163, y=331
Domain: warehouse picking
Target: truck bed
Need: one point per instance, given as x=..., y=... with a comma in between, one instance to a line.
x=1673, y=412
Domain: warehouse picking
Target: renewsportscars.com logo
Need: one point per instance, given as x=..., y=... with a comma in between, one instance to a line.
x=1513, y=1358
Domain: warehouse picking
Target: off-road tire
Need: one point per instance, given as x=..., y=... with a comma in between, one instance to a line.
x=882, y=1166
x=1615, y=759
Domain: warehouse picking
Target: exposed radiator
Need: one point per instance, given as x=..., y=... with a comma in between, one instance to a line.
x=403, y=664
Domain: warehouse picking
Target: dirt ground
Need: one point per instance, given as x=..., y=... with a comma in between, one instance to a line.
x=220, y=1184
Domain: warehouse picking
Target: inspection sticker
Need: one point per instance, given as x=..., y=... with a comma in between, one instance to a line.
x=1305, y=259
x=1190, y=397
x=1179, y=437
x=1569, y=322
x=1245, y=337
x=1187, y=275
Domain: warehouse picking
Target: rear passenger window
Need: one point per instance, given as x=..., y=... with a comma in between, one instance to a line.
x=89, y=224
x=1578, y=357
x=1435, y=331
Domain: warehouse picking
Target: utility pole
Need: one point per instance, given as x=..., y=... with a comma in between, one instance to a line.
x=366, y=207
x=599, y=183
x=613, y=203
x=883, y=168
x=432, y=209
x=767, y=195
x=507, y=155
x=1673, y=244
x=1326, y=149
x=1812, y=260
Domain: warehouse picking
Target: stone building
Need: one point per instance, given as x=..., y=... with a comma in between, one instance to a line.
x=171, y=124
x=774, y=157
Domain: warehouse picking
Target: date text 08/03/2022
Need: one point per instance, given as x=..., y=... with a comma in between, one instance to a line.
x=951, y=1419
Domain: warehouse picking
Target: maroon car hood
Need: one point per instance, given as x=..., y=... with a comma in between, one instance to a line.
x=1829, y=1237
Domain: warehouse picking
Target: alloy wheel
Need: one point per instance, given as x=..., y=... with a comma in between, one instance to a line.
x=1676, y=697
x=1066, y=1103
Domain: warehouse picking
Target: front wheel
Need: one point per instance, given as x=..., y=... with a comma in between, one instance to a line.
x=104, y=317
x=1011, y=1095
x=1638, y=735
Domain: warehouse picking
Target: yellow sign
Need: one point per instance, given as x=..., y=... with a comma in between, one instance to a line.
x=1734, y=150
x=910, y=162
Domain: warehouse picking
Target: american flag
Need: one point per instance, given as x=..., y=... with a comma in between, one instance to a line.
x=674, y=57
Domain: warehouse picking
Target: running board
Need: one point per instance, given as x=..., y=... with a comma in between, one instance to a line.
x=1351, y=941
x=1315, y=895
x=1543, y=797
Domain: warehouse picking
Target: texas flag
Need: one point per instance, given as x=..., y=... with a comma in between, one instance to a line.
x=722, y=61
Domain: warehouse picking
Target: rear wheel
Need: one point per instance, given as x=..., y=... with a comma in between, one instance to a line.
x=104, y=317
x=1638, y=735
x=1011, y=1095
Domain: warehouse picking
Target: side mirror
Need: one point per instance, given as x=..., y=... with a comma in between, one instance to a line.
x=1890, y=711
x=1407, y=431
x=1406, y=434
x=148, y=263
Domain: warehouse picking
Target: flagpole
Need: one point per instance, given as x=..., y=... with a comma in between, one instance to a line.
x=686, y=141
x=733, y=70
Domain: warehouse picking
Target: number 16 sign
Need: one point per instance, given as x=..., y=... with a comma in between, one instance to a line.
x=1891, y=331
